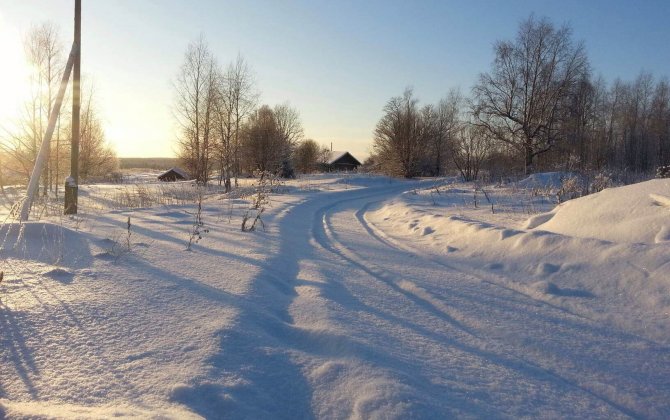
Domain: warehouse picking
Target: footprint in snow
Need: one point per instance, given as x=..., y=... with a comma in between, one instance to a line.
x=663, y=235
x=549, y=288
x=427, y=231
x=60, y=274
x=495, y=266
x=105, y=256
x=545, y=269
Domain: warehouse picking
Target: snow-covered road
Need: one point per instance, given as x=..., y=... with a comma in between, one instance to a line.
x=328, y=314
x=358, y=326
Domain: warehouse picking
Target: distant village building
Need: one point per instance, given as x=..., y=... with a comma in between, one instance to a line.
x=342, y=161
x=172, y=175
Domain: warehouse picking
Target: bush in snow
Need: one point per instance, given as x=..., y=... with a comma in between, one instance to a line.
x=571, y=187
x=198, y=228
x=663, y=171
x=122, y=244
x=600, y=182
x=267, y=181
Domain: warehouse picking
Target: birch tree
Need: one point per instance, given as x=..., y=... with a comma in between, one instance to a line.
x=521, y=100
x=196, y=96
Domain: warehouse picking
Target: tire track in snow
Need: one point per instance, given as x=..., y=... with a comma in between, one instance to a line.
x=385, y=239
x=268, y=348
x=434, y=305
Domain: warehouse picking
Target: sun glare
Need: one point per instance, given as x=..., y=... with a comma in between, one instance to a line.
x=14, y=73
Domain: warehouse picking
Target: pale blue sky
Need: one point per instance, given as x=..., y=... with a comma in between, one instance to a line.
x=338, y=62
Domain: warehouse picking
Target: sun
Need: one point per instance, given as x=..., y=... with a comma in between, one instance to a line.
x=14, y=72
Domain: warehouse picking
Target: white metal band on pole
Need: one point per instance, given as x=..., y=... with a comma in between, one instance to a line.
x=44, y=149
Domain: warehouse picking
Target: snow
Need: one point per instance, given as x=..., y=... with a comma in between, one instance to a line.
x=333, y=156
x=366, y=297
x=603, y=248
x=544, y=180
x=176, y=170
x=638, y=213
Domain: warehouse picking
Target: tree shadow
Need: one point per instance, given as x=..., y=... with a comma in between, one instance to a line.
x=20, y=355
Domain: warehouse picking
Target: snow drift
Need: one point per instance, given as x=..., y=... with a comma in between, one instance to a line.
x=605, y=256
x=45, y=242
x=634, y=213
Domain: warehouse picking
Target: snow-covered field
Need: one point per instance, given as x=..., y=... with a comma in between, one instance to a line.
x=365, y=297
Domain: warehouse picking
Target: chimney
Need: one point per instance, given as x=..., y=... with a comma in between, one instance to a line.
x=331, y=146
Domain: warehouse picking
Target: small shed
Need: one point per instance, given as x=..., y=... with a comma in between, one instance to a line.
x=342, y=161
x=172, y=175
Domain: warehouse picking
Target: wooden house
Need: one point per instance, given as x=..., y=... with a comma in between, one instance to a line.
x=342, y=161
x=173, y=174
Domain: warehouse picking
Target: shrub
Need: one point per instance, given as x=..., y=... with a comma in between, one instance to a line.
x=600, y=182
x=663, y=171
x=267, y=182
x=571, y=187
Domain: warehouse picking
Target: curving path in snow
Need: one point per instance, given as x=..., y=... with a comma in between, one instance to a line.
x=349, y=323
x=325, y=315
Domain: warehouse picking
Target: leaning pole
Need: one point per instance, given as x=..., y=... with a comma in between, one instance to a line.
x=44, y=149
x=73, y=63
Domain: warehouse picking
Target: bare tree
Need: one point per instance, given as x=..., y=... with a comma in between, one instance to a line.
x=306, y=156
x=324, y=155
x=234, y=102
x=660, y=122
x=96, y=156
x=44, y=53
x=194, y=109
x=288, y=124
x=225, y=127
x=290, y=131
x=397, y=137
x=521, y=101
x=446, y=126
x=262, y=142
x=471, y=145
x=269, y=138
x=242, y=99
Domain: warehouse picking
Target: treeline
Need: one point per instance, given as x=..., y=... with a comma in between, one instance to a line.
x=538, y=108
x=223, y=132
x=147, y=163
x=20, y=144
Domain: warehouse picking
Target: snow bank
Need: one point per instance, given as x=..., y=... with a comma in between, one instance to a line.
x=606, y=256
x=634, y=213
x=45, y=242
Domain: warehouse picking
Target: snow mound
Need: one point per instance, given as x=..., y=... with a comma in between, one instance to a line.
x=44, y=242
x=606, y=253
x=637, y=213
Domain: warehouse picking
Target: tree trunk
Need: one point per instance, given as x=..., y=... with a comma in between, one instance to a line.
x=529, y=160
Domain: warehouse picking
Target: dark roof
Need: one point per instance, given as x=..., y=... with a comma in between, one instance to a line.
x=182, y=174
x=333, y=157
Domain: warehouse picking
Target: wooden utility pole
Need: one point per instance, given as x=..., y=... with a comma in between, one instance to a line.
x=72, y=182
